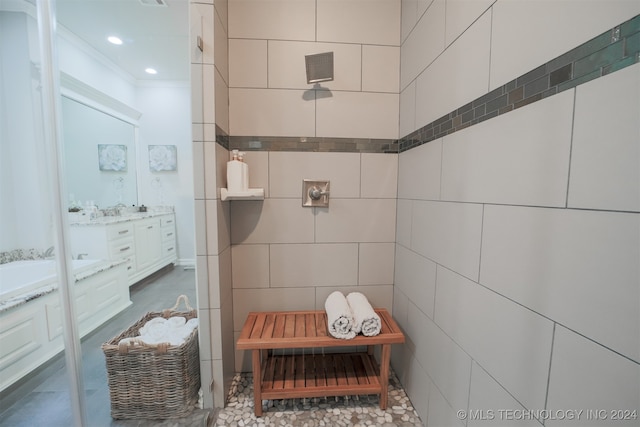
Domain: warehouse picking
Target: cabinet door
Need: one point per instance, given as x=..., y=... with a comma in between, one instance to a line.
x=148, y=243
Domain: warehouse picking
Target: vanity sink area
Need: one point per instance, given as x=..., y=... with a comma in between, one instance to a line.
x=145, y=241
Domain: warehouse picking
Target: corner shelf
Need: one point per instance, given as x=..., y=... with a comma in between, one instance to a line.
x=250, y=194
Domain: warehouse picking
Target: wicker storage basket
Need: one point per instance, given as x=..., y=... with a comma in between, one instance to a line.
x=153, y=381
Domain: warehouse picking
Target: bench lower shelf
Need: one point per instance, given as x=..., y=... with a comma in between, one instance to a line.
x=340, y=374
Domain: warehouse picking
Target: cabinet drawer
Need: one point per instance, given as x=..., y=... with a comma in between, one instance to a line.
x=167, y=220
x=119, y=231
x=168, y=249
x=168, y=233
x=121, y=249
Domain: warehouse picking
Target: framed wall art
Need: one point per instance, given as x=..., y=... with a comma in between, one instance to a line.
x=163, y=158
x=112, y=157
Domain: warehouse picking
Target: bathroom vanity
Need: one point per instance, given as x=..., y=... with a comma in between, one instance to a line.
x=145, y=240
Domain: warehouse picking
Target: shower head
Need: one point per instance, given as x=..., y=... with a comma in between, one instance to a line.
x=319, y=67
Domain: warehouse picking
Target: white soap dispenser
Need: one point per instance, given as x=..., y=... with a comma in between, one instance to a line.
x=245, y=171
x=235, y=174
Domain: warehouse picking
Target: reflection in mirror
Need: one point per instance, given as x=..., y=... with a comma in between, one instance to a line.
x=100, y=156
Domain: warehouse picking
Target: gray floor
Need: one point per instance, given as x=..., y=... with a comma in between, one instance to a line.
x=42, y=398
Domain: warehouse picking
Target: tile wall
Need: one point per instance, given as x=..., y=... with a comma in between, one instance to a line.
x=517, y=279
x=289, y=257
x=209, y=85
x=267, y=45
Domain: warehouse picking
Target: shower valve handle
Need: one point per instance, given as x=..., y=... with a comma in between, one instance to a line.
x=316, y=192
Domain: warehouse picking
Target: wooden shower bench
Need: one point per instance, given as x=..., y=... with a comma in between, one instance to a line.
x=314, y=375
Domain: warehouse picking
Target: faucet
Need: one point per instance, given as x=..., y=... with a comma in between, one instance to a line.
x=48, y=253
x=81, y=256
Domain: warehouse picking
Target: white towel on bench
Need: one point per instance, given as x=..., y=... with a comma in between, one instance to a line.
x=339, y=316
x=366, y=320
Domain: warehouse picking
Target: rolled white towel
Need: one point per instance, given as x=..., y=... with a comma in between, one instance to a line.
x=366, y=320
x=339, y=316
x=148, y=324
x=176, y=321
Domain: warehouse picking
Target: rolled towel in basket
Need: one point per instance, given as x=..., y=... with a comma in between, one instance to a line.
x=339, y=316
x=366, y=320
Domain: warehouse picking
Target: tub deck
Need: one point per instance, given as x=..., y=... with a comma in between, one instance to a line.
x=315, y=375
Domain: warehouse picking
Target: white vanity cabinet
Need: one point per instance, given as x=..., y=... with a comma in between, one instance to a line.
x=147, y=243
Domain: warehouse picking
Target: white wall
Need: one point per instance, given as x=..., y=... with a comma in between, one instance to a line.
x=516, y=278
x=166, y=121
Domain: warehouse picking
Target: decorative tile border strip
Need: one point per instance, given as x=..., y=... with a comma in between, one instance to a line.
x=611, y=51
x=345, y=145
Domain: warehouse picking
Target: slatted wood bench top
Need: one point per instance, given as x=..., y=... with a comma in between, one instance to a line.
x=306, y=329
x=317, y=375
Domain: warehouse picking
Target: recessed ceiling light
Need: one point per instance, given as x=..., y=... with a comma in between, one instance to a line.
x=115, y=40
x=151, y=71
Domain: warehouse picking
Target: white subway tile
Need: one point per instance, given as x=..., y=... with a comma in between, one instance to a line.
x=213, y=269
x=222, y=157
x=377, y=295
x=585, y=376
x=216, y=334
x=283, y=74
x=512, y=159
x=424, y=44
x=491, y=405
x=206, y=26
x=415, y=276
x=198, y=170
x=221, y=49
x=409, y=17
x=209, y=93
x=210, y=180
x=204, y=318
x=579, y=268
x=445, y=362
x=526, y=34
x=271, y=112
x=417, y=385
x=458, y=76
x=359, y=22
x=247, y=63
x=287, y=170
x=283, y=19
x=419, y=172
x=352, y=220
x=226, y=281
x=224, y=226
x=197, y=96
x=449, y=234
x=381, y=69
x=605, y=154
x=258, y=163
x=461, y=14
x=408, y=109
x=271, y=221
x=375, y=263
x=314, y=265
x=358, y=115
x=212, y=226
x=222, y=102
x=200, y=216
x=498, y=334
x=250, y=266
x=403, y=222
x=441, y=413
x=276, y=299
x=379, y=175
x=202, y=280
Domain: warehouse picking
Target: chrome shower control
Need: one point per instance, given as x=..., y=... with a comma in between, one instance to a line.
x=315, y=193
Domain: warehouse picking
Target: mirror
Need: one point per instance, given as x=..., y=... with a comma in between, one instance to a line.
x=100, y=156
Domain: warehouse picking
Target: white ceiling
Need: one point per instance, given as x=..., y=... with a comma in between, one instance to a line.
x=153, y=36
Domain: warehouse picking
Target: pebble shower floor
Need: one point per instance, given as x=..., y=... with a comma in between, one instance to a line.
x=310, y=412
